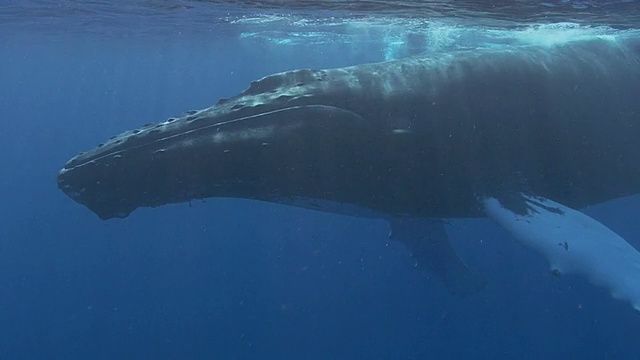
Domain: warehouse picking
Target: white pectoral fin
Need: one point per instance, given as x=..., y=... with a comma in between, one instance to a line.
x=572, y=242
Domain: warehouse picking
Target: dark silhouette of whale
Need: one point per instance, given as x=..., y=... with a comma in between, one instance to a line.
x=493, y=132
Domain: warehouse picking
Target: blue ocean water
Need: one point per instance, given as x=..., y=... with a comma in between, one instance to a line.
x=236, y=279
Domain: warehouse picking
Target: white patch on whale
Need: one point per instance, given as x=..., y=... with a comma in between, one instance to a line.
x=574, y=243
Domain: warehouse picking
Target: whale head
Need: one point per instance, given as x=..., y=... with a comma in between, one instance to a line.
x=268, y=153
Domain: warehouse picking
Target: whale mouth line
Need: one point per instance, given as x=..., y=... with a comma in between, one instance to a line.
x=89, y=160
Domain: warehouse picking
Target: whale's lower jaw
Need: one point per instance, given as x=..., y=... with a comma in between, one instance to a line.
x=273, y=156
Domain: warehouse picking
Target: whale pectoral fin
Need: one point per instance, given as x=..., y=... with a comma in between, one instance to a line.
x=429, y=244
x=572, y=242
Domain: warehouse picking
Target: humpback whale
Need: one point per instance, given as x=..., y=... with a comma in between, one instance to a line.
x=524, y=135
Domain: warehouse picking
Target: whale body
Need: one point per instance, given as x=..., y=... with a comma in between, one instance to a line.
x=516, y=134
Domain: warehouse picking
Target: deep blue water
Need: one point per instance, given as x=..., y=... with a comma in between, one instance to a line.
x=235, y=279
